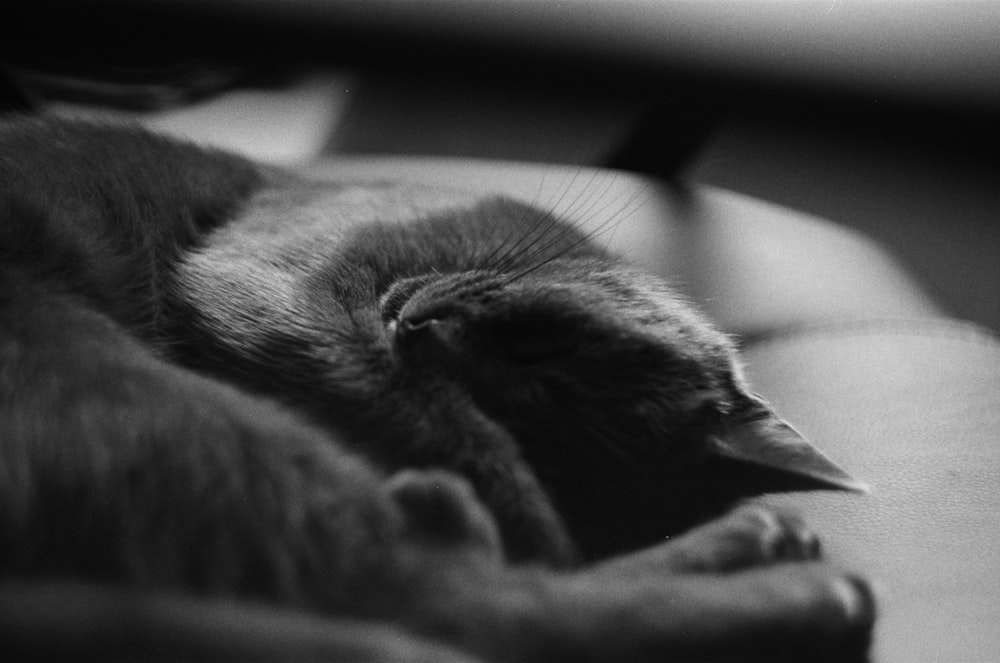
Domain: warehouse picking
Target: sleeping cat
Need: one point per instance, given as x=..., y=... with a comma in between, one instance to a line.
x=410, y=406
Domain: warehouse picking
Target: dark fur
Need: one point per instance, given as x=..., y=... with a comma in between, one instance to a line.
x=586, y=404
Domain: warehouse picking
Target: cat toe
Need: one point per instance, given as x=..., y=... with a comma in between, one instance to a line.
x=762, y=536
x=749, y=536
x=442, y=509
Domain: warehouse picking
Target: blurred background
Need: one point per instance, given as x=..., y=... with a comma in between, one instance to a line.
x=877, y=115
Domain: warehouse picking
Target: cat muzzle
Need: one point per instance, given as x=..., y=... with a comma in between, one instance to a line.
x=432, y=340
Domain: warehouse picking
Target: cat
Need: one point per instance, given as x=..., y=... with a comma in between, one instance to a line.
x=416, y=407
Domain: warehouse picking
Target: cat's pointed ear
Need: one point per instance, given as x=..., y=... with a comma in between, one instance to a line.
x=760, y=437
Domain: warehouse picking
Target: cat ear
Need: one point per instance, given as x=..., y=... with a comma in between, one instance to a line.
x=760, y=437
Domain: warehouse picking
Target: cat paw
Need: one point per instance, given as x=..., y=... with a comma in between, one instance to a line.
x=748, y=536
x=441, y=509
x=789, y=612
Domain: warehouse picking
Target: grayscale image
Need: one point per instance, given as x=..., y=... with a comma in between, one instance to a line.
x=488, y=331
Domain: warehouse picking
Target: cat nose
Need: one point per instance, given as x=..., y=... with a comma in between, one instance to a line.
x=408, y=328
x=428, y=337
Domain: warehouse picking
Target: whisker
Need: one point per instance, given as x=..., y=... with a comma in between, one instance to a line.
x=579, y=242
x=523, y=241
x=541, y=249
x=547, y=224
x=590, y=201
x=594, y=210
x=504, y=248
x=543, y=223
x=542, y=238
x=587, y=193
x=569, y=228
x=486, y=263
x=636, y=201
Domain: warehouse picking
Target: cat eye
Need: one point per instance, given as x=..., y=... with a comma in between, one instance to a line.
x=528, y=354
x=528, y=342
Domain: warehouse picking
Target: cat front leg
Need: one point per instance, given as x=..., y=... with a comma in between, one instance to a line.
x=442, y=510
x=452, y=434
x=784, y=612
x=78, y=621
x=745, y=587
x=748, y=536
x=800, y=611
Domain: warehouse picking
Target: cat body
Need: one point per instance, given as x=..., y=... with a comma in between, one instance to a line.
x=377, y=401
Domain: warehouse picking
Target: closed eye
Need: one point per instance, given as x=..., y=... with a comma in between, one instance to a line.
x=530, y=341
x=527, y=353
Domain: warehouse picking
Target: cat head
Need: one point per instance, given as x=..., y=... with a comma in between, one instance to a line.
x=418, y=335
x=629, y=407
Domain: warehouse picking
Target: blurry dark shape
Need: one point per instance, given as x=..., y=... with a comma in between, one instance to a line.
x=669, y=133
x=122, y=85
x=12, y=98
x=525, y=120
